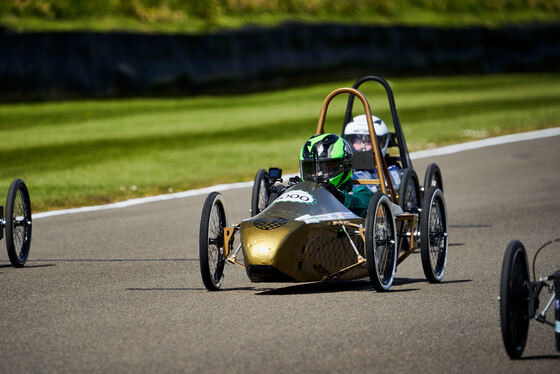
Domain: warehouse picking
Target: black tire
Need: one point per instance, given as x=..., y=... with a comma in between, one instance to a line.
x=409, y=201
x=514, y=299
x=433, y=235
x=381, y=245
x=211, y=241
x=433, y=177
x=18, y=223
x=260, y=195
x=557, y=314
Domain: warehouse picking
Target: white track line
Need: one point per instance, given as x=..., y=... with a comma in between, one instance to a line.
x=231, y=186
x=546, y=133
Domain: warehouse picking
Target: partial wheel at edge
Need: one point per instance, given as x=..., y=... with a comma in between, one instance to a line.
x=18, y=223
x=514, y=304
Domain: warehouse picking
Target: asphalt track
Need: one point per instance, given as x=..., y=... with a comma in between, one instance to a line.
x=120, y=290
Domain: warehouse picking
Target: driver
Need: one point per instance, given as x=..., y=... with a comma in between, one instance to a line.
x=327, y=159
x=357, y=134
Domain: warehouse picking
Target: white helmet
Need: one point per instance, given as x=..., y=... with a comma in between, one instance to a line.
x=357, y=134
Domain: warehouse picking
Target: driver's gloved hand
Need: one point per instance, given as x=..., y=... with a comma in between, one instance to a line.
x=280, y=189
x=294, y=180
x=332, y=189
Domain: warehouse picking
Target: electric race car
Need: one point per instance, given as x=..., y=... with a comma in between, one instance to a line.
x=301, y=232
x=17, y=223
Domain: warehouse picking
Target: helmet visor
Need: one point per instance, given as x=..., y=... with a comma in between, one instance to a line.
x=323, y=170
x=360, y=143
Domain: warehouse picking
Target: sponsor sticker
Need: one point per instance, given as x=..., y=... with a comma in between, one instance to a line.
x=307, y=219
x=327, y=217
x=296, y=196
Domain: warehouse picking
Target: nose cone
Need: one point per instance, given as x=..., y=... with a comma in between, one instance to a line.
x=291, y=239
x=270, y=248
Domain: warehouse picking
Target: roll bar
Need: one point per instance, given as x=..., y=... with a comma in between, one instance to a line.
x=403, y=150
x=379, y=162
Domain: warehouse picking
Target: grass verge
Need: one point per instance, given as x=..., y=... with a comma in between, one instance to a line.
x=194, y=16
x=78, y=153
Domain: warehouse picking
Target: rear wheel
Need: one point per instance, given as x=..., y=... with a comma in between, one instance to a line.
x=514, y=299
x=260, y=194
x=433, y=235
x=433, y=177
x=409, y=195
x=211, y=241
x=18, y=223
x=380, y=248
x=557, y=312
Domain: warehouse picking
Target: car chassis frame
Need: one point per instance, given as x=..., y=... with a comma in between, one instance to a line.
x=385, y=186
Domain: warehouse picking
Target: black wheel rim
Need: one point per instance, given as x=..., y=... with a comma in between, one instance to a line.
x=216, y=226
x=20, y=225
x=384, y=244
x=437, y=237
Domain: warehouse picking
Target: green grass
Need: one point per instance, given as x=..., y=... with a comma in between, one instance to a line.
x=96, y=151
x=193, y=16
x=411, y=17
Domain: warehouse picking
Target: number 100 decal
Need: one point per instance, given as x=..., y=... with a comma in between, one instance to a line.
x=296, y=196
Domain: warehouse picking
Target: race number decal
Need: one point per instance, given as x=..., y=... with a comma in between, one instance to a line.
x=296, y=196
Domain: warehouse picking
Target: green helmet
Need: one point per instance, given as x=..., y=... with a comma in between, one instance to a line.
x=326, y=158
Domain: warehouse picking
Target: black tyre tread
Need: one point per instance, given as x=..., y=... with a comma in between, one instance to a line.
x=409, y=176
x=432, y=169
x=432, y=193
x=17, y=261
x=207, y=278
x=514, y=250
x=261, y=174
x=377, y=200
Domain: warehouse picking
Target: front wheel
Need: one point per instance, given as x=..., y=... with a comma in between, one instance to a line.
x=514, y=299
x=18, y=223
x=381, y=245
x=433, y=235
x=211, y=241
x=260, y=194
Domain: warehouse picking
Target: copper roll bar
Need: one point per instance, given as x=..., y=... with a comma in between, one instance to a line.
x=382, y=172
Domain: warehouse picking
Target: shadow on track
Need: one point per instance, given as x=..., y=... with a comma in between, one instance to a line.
x=403, y=281
x=28, y=266
x=470, y=226
x=541, y=357
x=307, y=288
x=187, y=289
x=326, y=287
x=112, y=259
